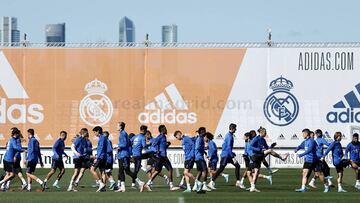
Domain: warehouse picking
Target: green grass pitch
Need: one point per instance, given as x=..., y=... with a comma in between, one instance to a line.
x=285, y=181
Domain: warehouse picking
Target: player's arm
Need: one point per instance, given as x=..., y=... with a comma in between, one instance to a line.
x=73, y=147
x=16, y=147
x=301, y=146
x=39, y=153
x=308, y=150
x=347, y=151
x=328, y=150
x=253, y=146
x=56, y=145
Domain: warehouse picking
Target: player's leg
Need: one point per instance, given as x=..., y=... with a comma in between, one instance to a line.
x=340, y=171
x=355, y=167
x=30, y=176
x=306, y=172
x=170, y=170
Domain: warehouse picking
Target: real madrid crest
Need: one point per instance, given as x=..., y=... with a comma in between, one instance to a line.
x=281, y=107
x=96, y=108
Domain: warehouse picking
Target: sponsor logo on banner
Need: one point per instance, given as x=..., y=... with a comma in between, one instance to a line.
x=281, y=107
x=49, y=137
x=347, y=111
x=16, y=113
x=294, y=137
x=162, y=110
x=281, y=137
x=96, y=108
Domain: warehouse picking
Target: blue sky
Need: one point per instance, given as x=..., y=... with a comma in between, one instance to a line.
x=197, y=20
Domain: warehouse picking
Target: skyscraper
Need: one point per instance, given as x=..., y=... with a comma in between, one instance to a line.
x=169, y=33
x=126, y=30
x=55, y=33
x=8, y=30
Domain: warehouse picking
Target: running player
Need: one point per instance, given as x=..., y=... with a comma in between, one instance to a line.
x=123, y=155
x=161, y=144
x=188, y=144
x=110, y=163
x=32, y=159
x=337, y=154
x=100, y=161
x=200, y=181
x=88, y=156
x=138, y=144
x=228, y=156
x=353, y=148
x=57, y=160
x=11, y=149
x=78, y=149
x=17, y=166
x=213, y=157
x=321, y=165
x=309, y=145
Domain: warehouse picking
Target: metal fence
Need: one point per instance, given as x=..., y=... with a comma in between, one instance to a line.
x=148, y=44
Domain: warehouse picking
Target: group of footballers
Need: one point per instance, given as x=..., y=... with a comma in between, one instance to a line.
x=150, y=154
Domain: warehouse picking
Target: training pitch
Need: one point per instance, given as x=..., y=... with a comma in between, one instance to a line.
x=285, y=181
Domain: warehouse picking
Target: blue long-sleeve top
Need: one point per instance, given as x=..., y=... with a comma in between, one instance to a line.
x=138, y=143
x=310, y=151
x=199, y=148
x=247, y=148
x=123, y=145
x=109, y=152
x=257, y=145
x=160, y=143
x=58, y=149
x=34, y=154
x=18, y=154
x=80, y=147
x=11, y=149
x=228, y=145
x=212, y=151
x=101, y=152
x=336, y=150
x=188, y=144
x=320, y=142
x=353, y=149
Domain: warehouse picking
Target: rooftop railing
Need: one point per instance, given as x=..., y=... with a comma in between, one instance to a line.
x=149, y=44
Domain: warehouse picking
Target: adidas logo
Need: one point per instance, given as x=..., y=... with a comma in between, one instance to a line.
x=294, y=137
x=281, y=137
x=49, y=137
x=2, y=137
x=219, y=137
x=162, y=110
x=344, y=111
x=16, y=113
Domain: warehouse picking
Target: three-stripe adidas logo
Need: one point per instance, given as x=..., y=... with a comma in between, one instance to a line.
x=345, y=112
x=16, y=113
x=169, y=107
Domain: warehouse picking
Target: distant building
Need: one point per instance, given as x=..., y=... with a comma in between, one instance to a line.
x=169, y=33
x=126, y=30
x=55, y=33
x=9, y=32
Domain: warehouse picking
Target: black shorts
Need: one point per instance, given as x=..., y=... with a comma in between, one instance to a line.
x=310, y=166
x=100, y=164
x=109, y=166
x=78, y=163
x=30, y=167
x=162, y=161
x=247, y=163
x=57, y=163
x=17, y=167
x=343, y=164
x=86, y=163
x=201, y=165
x=150, y=161
x=124, y=162
x=189, y=164
x=8, y=166
x=256, y=161
x=213, y=164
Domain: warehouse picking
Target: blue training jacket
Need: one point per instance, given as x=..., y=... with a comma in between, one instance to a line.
x=33, y=154
x=138, y=143
x=354, y=150
x=11, y=149
x=58, y=149
x=123, y=145
x=199, y=148
x=102, y=148
x=212, y=151
x=310, y=151
x=188, y=144
x=336, y=150
x=227, y=146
